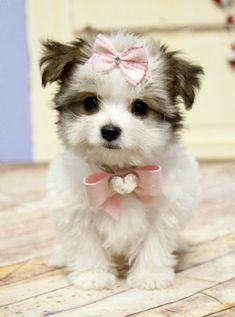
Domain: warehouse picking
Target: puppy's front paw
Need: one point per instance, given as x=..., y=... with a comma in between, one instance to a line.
x=151, y=280
x=92, y=280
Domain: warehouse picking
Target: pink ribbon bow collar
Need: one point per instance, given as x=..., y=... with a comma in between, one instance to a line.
x=132, y=61
x=100, y=192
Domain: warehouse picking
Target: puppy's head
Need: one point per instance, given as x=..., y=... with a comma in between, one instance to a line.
x=106, y=119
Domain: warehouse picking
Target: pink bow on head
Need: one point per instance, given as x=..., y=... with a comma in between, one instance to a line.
x=100, y=193
x=132, y=61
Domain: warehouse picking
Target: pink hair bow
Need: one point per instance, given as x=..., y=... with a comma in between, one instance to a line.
x=132, y=61
x=101, y=194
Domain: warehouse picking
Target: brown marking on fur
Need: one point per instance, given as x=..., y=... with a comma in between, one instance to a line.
x=164, y=112
x=59, y=59
x=182, y=78
x=163, y=48
x=121, y=265
x=67, y=94
x=74, y=103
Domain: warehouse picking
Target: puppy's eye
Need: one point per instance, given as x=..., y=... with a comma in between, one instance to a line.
x=91, y=104
x=139, y=108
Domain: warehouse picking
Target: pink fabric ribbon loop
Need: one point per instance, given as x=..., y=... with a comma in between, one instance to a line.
x=97, y=188
x=100, y=193
x=132, y=61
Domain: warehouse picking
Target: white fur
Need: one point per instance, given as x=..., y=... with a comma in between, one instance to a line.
x=147, y=235
x=87, y=238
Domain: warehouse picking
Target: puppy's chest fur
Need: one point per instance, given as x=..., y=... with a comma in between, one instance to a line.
x=123, y=235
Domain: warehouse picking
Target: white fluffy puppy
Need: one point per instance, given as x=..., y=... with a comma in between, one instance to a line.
x=118, y=111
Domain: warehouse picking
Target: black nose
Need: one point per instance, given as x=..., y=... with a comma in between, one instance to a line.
x=110, y=132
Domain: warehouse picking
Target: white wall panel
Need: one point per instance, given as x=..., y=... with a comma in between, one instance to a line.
x=135, y=13
x=45, y=19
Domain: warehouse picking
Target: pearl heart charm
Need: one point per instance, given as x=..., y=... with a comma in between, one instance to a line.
x=124, y=185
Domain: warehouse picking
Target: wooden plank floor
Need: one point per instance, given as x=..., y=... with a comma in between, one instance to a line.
x=205, y=284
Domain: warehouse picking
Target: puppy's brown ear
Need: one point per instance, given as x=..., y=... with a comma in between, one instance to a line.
x=58, y=59
x=183, y=79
